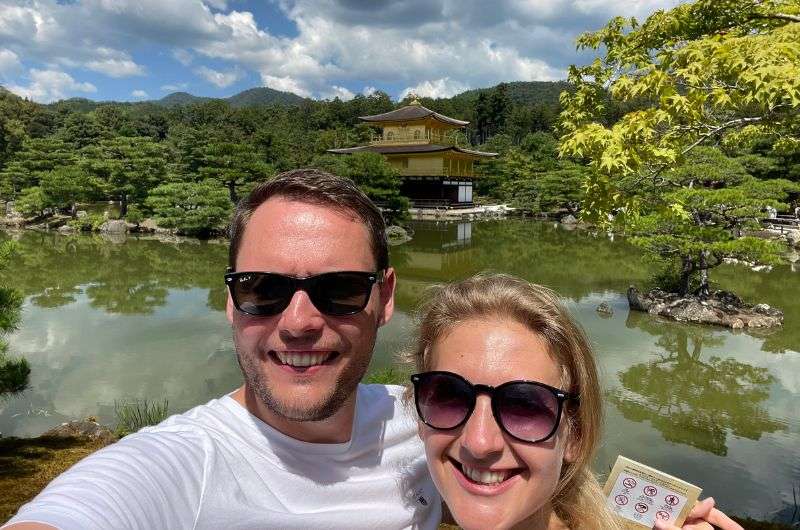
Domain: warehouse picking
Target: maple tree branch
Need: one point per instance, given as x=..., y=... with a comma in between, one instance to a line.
x=779, y=16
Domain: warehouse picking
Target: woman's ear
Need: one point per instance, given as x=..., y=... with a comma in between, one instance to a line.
x=572, y=450
x=573, y=447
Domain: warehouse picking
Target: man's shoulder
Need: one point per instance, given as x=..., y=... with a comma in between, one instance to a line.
x=385, y=407
x=216, y=414
x=200, y=427
x=390, y=398
x=386, y=391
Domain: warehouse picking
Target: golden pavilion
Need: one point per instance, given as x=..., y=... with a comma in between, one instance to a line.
x=427, y=149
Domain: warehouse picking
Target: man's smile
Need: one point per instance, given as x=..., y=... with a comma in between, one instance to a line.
x=303, y=361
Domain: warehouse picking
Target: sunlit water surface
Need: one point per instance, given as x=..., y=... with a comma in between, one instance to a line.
x=140, y=318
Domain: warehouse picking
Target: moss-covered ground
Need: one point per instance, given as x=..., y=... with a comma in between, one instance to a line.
x=28, y=464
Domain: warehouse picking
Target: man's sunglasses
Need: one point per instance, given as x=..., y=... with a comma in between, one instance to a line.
x=332, y=293
x=528, y=411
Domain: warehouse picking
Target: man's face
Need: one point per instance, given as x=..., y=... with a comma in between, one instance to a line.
x=301, y=364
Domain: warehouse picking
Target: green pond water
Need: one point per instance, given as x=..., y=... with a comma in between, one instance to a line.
x=140, y=318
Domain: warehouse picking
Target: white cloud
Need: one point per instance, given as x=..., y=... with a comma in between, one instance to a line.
x=286, y=84
x=433, y=46
x=182, y=56
x=50, y=85
x=220, y=5
x=115, y=64
x=440, y=88
x=141, y=94
x=9, y=63
x=175, y=87
x=338, y=92
x=220, y=79
x=368, y=90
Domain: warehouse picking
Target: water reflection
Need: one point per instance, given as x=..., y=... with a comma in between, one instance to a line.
x=690, y=398
x=133, y=278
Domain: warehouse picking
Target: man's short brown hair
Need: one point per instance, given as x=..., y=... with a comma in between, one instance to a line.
x=318, y=187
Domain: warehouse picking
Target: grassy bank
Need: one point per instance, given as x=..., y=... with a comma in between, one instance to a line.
x=28, y=464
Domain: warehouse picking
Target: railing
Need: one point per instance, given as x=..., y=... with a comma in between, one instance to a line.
x=427, y=138
x=440, y=172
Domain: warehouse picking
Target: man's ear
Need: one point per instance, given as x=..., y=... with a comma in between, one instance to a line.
x=229, y=309
x=387, y=296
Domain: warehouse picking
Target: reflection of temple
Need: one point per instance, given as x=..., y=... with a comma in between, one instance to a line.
x=427, y=150
x=439, y=252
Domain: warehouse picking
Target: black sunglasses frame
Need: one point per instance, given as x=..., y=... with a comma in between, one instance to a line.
x=560, y=395
x=307, y=284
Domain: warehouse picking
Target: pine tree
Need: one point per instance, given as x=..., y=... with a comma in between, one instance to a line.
x=13, y=372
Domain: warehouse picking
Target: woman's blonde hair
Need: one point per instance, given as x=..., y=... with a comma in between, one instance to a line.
x=578, y=498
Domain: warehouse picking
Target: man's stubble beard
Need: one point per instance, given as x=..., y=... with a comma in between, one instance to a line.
x=344, y=387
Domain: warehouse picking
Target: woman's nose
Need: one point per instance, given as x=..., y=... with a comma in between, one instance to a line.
x=481, y=436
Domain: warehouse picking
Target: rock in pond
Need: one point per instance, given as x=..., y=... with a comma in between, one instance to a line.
x=604, y=310
x=569, y=220
x=720, y=308
x=87, y=428
x=114, y=226
x=397, y=235
x=793, y=238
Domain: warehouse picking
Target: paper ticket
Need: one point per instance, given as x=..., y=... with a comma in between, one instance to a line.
x=640, y=494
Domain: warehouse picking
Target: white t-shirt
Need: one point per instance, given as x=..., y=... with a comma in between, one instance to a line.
x=219, y=467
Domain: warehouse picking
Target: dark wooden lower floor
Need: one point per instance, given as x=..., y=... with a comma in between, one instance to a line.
x=434, y=192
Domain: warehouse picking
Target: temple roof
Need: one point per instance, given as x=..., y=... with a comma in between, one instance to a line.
x=400, y=149
x=413, y=112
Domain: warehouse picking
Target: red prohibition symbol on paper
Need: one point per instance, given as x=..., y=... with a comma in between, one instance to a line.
x=672, y=500
x=622, y=500
x=664, y=516
x=640, y=507
x=650, y=491
x=629, y=483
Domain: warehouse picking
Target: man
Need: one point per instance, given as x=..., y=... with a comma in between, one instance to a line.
x=301, y=444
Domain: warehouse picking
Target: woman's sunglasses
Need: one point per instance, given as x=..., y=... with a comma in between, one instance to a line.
x=333, y=293
x=528, y=411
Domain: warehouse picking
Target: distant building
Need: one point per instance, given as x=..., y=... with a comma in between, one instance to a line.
x=426, y=149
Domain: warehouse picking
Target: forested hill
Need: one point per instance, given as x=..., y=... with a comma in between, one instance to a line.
x=247, y=98
x=519, y=93
x=176, y=99
x=523, y=92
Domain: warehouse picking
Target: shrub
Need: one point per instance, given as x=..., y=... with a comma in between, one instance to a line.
x=133, y=415
x=390, y=375
x=87, y=223
x=31, y=202
x=194, y=208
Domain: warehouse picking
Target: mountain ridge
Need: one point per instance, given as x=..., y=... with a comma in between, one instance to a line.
x=519, y=92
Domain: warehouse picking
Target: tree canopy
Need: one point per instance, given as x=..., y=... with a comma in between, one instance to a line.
x=722, y=73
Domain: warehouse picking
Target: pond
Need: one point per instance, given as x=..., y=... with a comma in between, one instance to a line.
x=108, y=320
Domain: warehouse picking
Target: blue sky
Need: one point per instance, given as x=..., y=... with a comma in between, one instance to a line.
x=130, y=50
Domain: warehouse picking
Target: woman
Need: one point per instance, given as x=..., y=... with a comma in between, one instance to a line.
x=510, y=409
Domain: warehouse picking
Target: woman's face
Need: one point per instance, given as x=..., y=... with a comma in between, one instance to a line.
x=516, y=479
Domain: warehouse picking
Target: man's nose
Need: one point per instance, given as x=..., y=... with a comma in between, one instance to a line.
x=301, y=318
x=481, y=437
